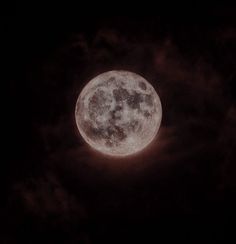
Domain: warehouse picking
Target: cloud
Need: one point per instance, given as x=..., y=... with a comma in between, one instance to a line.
x=186, y=169
x=193, y=94
x=227, y=144
x=192, y=152
x=44, y=196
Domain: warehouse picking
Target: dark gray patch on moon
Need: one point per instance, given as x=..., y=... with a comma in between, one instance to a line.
x=91, y=131
x=142, y=85
x=135, y=126
x=146, y=114
x=115, y=135
x=98, y=104
x=114, y=114
x=149, y=100
x=134, y=100
x=110, y=80
x=120, y=94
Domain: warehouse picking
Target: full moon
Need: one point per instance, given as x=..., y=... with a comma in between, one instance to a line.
x=118, y=113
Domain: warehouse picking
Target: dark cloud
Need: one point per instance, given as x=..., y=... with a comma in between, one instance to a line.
x=45, y=196
x=41, y=208
x=188, y=170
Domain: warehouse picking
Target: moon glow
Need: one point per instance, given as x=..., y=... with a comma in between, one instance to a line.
x=118, y=113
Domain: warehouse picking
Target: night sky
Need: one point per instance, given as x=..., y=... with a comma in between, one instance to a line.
x=181, y=188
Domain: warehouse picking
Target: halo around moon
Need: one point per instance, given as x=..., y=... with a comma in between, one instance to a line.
x=118, y=113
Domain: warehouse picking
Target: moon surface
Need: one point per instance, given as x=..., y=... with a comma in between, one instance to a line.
x=118, y=113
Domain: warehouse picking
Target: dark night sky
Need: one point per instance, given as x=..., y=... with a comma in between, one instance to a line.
x=57, y=190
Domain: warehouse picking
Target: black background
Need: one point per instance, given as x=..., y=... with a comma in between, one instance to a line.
x=57, y=190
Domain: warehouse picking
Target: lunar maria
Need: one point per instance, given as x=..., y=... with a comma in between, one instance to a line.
x=118, y=113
